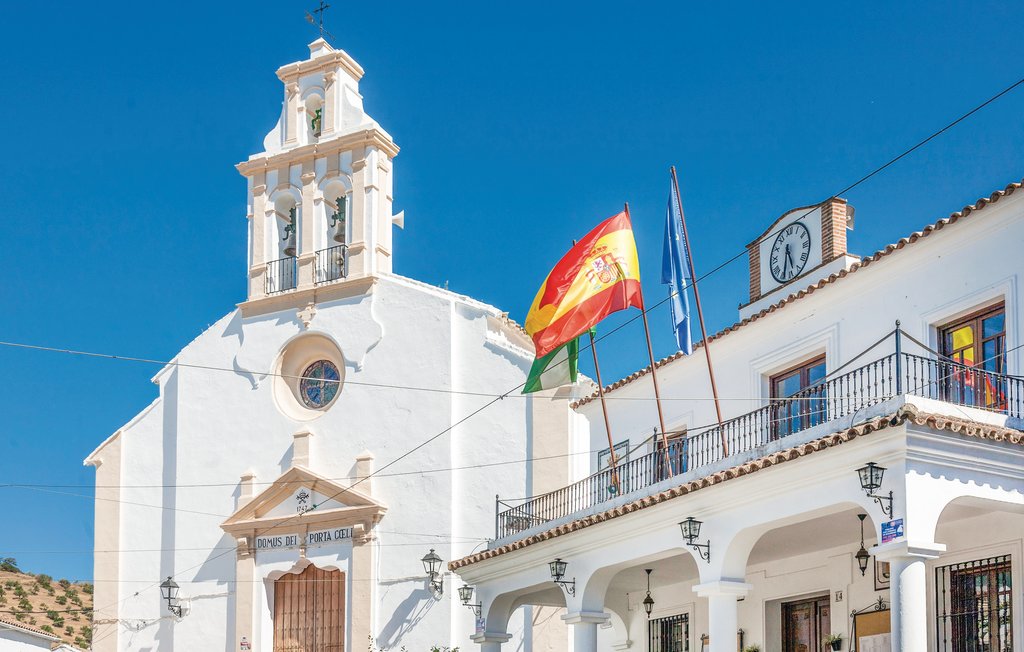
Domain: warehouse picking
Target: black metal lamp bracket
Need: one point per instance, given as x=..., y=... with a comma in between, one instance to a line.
x=703, y=549
x=883, y=501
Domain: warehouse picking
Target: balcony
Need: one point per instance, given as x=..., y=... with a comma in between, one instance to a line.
x=331, y=264
x=281, y=275
x=846, y=395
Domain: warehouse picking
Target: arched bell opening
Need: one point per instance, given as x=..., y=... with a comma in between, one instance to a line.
x=333, y=231
x=314, y=117
x=286, y=223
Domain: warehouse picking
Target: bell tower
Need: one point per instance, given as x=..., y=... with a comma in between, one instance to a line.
x=320, y=194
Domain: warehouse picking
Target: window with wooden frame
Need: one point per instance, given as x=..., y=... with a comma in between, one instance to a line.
x=799, y=397
x=974, y=349
x=677, y=453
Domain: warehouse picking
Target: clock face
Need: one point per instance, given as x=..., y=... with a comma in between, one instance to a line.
x=790, y=252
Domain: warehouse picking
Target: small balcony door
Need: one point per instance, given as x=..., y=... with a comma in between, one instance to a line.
x=804, y=624
x=798, y=397
x=976, y=345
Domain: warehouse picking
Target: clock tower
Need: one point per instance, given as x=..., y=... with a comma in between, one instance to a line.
x=801, y=247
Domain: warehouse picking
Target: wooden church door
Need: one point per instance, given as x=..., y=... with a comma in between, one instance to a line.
x=309, y=611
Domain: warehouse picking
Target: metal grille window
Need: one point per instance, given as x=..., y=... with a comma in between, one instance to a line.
x=671, y=634
x=974, y=607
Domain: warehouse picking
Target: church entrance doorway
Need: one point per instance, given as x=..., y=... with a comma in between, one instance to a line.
x=309, y=611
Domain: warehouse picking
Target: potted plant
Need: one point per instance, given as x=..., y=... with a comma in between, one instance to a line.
x=834, y=640
x=752, y=648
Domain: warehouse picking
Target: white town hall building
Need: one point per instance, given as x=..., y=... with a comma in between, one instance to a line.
x=245, y=481
x=883, y=393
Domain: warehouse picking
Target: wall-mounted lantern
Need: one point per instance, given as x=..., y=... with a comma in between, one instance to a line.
x=466, y=594
x=432, y=565
x=871, y=480
x=169, y=589
x=691, y=530
x=557, y=569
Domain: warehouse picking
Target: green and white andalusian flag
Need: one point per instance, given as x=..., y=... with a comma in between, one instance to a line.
x=560, y=367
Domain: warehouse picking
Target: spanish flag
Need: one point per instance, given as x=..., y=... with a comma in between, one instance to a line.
x=600, y=275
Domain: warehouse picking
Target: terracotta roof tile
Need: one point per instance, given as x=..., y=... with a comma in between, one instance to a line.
x=28, y=628
x=864, y=262
x=907, y=413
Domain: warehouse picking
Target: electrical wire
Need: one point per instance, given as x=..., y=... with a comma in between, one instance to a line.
x=624, y=324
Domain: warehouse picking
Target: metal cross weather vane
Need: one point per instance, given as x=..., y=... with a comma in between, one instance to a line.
x=319, y=21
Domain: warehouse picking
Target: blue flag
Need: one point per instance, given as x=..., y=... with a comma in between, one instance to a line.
x=675, y=272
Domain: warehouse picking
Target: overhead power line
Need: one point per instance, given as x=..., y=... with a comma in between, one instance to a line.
x=614, y=330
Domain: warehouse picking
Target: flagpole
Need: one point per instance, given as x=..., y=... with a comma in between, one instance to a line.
x=700, y=313
x=654, y=377
x=604, y=408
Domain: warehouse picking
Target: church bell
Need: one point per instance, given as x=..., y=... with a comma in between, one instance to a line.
x=338, y=232
x=289, y=247
x=289, y=235
x=337, y=228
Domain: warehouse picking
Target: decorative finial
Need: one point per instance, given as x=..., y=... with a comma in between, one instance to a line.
x=319, y=20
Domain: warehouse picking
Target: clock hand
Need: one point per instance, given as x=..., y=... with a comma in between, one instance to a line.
x=789, y=257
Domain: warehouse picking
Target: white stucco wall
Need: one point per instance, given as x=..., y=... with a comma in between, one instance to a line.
x=210, y=427
x=929, y=283
x=12, y=640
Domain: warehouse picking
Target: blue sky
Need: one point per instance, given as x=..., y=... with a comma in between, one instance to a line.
x=521, y=127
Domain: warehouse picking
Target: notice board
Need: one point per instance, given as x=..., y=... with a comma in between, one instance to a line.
x=871, y=631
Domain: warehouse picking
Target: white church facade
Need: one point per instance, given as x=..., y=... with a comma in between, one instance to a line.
x=865, y=482
x=241, y=509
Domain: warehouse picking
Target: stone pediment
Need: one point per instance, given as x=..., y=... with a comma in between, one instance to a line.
x=300, y=499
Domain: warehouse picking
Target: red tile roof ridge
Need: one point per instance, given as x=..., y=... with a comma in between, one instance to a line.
x=907, y=413
x=28, y=628
x=832, y=278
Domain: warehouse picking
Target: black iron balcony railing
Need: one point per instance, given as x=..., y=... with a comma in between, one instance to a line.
x=331, y=264
x=281, y=275
x=893, y=375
